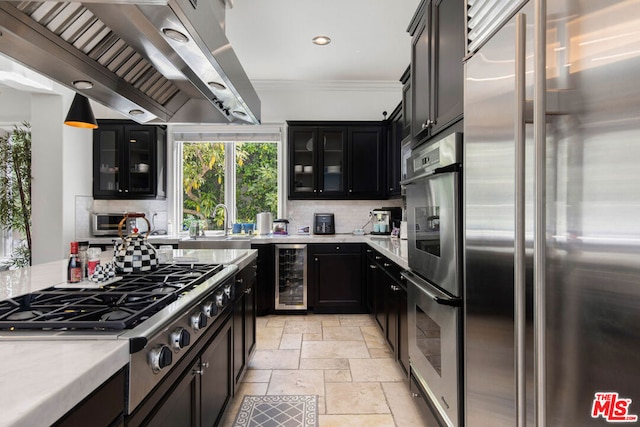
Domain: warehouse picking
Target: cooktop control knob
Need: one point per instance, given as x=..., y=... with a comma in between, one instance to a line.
x=160, y=357
x=180, y=338
x=228, y=291
x=209, y=309
x=198, y=321
x=220, y=299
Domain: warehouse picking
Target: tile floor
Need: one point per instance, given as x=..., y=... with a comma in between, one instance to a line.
x=343, y=359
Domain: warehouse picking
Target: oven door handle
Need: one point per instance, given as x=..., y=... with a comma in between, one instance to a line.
x=455, y=167
x=440, y=299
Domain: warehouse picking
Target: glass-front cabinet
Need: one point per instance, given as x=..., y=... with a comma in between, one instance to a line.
x=318, y=157
x=129, y=161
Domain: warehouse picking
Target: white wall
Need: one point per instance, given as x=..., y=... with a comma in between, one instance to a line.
x=331, y=100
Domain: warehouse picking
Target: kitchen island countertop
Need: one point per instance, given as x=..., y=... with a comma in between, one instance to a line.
x=41, y=379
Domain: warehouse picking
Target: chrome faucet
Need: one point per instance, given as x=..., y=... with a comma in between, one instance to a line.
x=226, y=217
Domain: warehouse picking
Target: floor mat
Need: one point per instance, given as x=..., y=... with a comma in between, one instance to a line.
x=278, y=411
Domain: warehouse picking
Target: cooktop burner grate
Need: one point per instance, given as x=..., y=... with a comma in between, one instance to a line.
x=118, y=306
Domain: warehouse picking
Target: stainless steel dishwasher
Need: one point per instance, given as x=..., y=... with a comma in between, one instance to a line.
x=291, y=277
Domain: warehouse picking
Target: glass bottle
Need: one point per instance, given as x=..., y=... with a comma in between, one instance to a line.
x=74, y=269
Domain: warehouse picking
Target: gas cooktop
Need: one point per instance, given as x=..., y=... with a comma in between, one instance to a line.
x=117, y=306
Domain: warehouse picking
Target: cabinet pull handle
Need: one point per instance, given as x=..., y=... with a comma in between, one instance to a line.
x=204, y=365
x=248, y=291
x=315, y=259
x=239, y=281
x=337, y=248
x=386, y=264
x=378, y=257
x=321, y=191
x=414, y=395
x=373, y=267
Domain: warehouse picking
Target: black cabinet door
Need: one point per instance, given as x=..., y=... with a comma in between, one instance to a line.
x=392, y=314
x=370, y=277
x=129, y=161
x=264, y=289
x=181, y=406
x=421, y=75
x=394, y=152
x=303, y=161
x=217, y=376
x=250, y=305
x=402, y=347
x=239, y=353
x=448, y=53
x=337, y=278
x=332, y=161
x=366, y=173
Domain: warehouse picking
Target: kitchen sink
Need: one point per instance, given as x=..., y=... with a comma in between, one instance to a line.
x=216, y=242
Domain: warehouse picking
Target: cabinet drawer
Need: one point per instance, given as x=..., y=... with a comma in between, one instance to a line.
x=336, y=248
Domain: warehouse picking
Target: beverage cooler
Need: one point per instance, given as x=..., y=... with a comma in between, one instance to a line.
x=291, y=277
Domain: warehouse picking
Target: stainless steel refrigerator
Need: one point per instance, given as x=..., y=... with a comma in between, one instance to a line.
x=552, y=213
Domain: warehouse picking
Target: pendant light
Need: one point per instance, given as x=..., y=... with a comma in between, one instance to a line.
x=80, y=114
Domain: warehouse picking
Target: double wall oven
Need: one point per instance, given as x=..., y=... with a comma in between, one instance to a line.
x=434, y=200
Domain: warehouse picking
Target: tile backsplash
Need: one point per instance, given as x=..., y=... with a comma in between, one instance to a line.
x=349, y=214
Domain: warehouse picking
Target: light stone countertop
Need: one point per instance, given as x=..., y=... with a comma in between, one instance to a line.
x=394, y=248
x=40, y=382
x=42, y=379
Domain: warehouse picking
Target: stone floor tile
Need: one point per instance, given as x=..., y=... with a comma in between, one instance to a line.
x=275, y=359
x=296, y=382
x=375, y=370
x=312, y=337
x=355, y=398
x=269, y=333
x=333, y=322
x=291, y=342
x=276, y=323
x=267, y=344
x=380, y=353
x=303, y=327
x=324, y=364
x=379, y=420
x=334, y=349
x=402, y=405
x=257, y=376
x=357, y=320
x=342, y=333
x=262, y=321
x=373, y=337
x=337, y=376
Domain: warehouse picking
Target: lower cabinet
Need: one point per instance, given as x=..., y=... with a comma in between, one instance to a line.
x=387, y=301
x=216, y=385
x=104, y=407
x=244, y=320
x=265, y=287
x=336, y=279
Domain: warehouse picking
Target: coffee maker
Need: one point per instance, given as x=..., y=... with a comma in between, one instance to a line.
x=384, y=220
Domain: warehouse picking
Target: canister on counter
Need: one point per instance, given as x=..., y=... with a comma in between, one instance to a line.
x=280, y=226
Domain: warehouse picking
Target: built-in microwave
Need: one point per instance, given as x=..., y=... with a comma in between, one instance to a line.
x=106, y=224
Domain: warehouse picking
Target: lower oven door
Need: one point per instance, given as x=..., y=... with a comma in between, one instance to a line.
x=433, y=212
x=434, y=345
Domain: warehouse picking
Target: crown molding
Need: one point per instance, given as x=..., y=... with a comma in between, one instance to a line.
x=329, y=85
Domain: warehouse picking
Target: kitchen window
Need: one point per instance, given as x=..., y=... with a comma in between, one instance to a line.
x=239, y=169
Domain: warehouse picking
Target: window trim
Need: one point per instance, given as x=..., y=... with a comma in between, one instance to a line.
x=177, y=139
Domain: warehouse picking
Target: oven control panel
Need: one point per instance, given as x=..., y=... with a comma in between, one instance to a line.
x=432, y=155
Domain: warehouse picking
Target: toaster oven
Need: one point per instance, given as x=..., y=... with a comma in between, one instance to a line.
x=106, y=224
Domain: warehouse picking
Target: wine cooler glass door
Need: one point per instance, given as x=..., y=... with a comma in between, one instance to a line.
x=291, y=277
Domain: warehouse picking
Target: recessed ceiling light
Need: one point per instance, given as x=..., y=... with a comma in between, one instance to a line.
x=321, y=40
x=175, y=35
x=217, y=85
x=136, y=112
x=82, y=84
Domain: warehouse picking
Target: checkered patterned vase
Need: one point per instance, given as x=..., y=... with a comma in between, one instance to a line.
x=135, y=254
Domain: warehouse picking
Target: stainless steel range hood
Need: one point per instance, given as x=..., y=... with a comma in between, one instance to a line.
x=156, y=61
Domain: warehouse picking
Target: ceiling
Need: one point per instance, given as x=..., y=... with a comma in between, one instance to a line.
x=272, y=39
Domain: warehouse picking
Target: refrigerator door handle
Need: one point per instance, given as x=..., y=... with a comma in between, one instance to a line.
x=520, y=191
x=540, y=202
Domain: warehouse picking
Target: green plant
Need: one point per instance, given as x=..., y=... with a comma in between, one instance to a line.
x=15, y=190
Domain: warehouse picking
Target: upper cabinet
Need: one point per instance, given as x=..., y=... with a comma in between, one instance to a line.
x=437, y=52
x=395, y=136
x=336, y=160
x=129, y=160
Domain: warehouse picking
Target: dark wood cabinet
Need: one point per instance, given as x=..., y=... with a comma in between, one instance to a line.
x=336, y=276
x=437, y=72
x=181, y=407
x=336, y=160
x=216, y=365
x=405, y=79
x=264, y=289
x=129, y=160
x=394, y=151
x=389, y=306
x=244, y=321
x=104, y=407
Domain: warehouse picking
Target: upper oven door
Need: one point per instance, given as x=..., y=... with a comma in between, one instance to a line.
x=433, y=215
